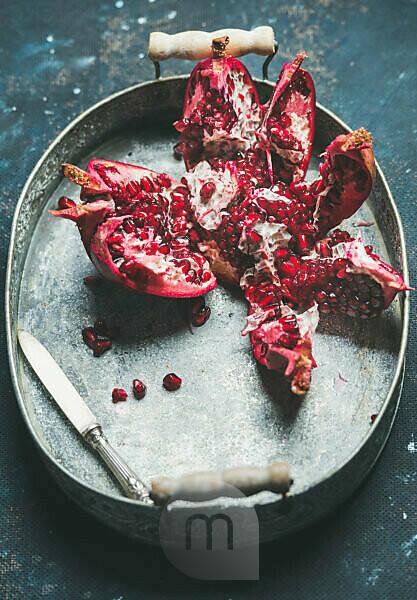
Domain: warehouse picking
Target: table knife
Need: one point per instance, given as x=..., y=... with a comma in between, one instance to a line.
x=78, y=413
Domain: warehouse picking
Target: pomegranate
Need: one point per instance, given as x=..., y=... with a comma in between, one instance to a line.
x=136, y=227
x=242, y=213
x=287, y=129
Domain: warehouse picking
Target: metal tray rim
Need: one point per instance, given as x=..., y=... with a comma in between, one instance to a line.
x=10, y=333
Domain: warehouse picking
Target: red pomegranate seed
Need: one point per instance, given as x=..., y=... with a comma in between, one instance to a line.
x=89, y=337
x=100, y=327
x=202, y=316
x=146, y=184
x=373, y=417
x=172, y=382
x=207, y=190
x=65, y=202
x=118, y=395
x=139, y=389
x=101, y=347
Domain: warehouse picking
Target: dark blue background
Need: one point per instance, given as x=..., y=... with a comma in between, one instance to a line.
x=57, y=58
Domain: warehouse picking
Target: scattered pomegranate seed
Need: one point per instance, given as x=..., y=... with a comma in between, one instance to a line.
x=92, y=281
x=172, y=382
x=65, y=202
x=139, y=389
x=197, y=304
x=207, y=190
x=202, y=316
x=118, y=395
x=100, y=327
x=89, y=337
x=101, y=347
x=373, y=417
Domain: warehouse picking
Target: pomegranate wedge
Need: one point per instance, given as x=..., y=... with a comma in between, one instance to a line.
x=137, y=229
x=346, y=177
x=287, y=129
x=281, y=338
x=342, y=277
x=221, y=111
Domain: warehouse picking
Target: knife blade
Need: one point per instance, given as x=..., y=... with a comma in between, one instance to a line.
x=78, y=413
x=57, y=383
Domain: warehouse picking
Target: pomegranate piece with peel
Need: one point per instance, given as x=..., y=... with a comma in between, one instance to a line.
x=137, y=228
x=346, y=177
x=287, y=130
x=118, y=395
x=139, y=389
x=172, y=382
x=347, y=277
x=221, y=111
x=281, y=339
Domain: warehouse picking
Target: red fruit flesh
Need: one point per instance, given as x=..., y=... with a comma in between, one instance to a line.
x=172, y=382
x=139, y=389
x=101, y=347
x=118, y=395
x=137, y=228
x=89, y=337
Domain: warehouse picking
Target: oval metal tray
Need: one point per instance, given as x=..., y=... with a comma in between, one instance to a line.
x=229, y=411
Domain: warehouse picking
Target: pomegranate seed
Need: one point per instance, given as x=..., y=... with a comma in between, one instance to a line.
x=146, y=184
x=172, y=382
x=118, y=395
x=64, y=203
x=202, y=316
x=139, y=389
x=207, y=190
x=101, y=347
x=89, y=337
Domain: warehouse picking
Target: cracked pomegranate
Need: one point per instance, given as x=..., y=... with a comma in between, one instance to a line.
x=242, y=213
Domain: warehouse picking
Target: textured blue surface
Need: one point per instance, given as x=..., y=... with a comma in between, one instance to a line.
x=57, y=59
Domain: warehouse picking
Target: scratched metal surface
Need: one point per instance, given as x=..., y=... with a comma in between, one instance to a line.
x=363, y=56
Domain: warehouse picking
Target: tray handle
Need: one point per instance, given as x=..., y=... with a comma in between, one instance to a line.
x=207, y=485
x=196, y=45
